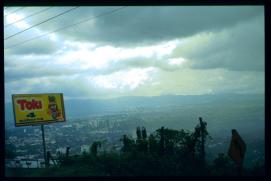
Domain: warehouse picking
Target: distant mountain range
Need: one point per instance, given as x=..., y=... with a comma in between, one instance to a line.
x=82, y=108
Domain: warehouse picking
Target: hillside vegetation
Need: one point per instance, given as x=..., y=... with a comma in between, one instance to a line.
x=165, y=152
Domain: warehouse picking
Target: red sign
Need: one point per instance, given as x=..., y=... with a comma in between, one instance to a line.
x=237, y=148
x=29, y=105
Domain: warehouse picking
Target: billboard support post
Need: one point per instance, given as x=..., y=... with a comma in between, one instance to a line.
x=44, y=146
x=38, y=109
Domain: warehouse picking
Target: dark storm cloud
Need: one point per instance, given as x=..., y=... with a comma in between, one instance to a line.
x=38, y=44
x=16, y=74
x=40, y=47
x=43, y=45
x=18, y=67
x=238, y=48
x=134, y=25
x=69, y=86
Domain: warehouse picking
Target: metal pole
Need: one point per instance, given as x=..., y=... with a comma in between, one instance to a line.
x=44, y=147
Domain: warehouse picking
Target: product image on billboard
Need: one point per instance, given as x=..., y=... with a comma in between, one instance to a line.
x=37, y=109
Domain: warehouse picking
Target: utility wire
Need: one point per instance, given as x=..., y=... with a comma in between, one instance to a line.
x=14, y=11
x=41, y=22
x=28, y=16
x=68, y=26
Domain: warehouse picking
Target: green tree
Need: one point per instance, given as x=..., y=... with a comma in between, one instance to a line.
x=199, y=139
x=161, y=134
x=141, y=142
x=128, y=144
x=94, y=147
x=170, y=140
x=223, y=166
x=144, y=133
x=153, y=144
x=138, y=133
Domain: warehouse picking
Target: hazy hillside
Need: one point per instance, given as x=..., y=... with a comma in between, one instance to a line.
x=83, y=108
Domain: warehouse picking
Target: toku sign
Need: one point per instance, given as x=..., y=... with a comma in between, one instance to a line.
x=36, y=109
x=29, y=105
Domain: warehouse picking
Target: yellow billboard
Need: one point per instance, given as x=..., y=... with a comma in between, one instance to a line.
x=37, y=109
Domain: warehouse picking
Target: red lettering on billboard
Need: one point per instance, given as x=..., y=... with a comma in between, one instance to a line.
x=21, y=102
x=29, y=105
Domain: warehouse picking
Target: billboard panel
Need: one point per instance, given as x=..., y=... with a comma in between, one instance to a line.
x=36, y=109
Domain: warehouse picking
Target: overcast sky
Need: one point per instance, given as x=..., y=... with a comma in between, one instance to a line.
x=135, y=51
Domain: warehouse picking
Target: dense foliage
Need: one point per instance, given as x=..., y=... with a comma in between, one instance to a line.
x=166, y=152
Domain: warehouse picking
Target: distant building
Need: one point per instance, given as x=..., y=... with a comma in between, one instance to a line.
x=67, y=126
x=61, y=150
x=84, y=148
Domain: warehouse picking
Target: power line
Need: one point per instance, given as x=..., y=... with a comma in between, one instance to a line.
x=68, y=26
x=28, y=16
x=14, y=11
x=41, y=22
